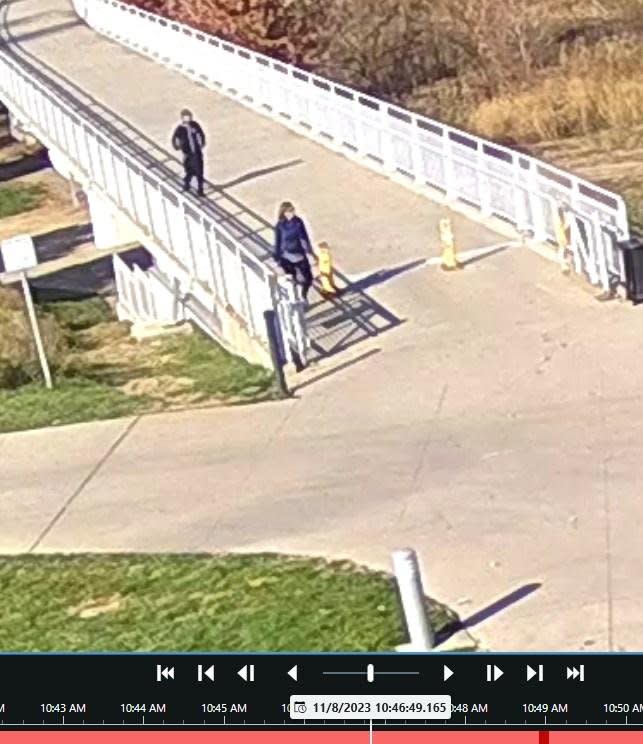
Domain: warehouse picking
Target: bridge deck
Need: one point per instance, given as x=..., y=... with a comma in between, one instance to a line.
x=494, y=426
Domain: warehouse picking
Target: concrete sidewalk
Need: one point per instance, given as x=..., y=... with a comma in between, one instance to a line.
x=495, y=426
x=506, y=467
x=496, y=505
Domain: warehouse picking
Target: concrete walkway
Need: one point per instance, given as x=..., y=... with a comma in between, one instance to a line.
x=495, y=426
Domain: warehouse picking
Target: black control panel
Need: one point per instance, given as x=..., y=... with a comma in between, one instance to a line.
x=246, y=691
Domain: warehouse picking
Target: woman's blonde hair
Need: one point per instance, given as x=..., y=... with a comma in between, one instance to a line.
x=285, y=207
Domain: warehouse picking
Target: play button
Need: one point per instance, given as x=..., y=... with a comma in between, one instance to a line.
x=447, y=673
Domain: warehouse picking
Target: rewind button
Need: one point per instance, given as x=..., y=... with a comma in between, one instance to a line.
x=164, y=673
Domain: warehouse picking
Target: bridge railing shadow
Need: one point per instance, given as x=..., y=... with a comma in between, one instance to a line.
x=351, y=316
x=335, y=323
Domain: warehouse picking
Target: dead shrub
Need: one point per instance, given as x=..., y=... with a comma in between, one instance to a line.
x=598, y=87
x=18, y=357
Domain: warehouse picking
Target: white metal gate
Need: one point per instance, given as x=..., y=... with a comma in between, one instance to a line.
x=295, y=343
x=595, y=252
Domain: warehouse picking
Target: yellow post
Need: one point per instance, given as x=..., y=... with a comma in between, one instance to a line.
x=449, y=253
x=563, y=236
x=325, y=266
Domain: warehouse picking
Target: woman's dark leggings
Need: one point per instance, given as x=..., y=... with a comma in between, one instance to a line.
x=301, y=272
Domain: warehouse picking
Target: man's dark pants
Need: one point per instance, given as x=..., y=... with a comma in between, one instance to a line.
x=193, y=165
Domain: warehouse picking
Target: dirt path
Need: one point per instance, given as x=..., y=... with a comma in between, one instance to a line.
x=55, y=213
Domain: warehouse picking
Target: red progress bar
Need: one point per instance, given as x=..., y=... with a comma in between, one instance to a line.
x=268, y=737
x=596, y=737
x=320, y=737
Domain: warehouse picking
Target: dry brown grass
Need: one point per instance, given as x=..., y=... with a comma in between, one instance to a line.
x=18, y=358
x=601, y=98
x=612, y=158
x=596, y=88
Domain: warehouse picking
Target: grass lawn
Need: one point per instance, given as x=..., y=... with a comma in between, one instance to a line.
x=71, y=401
x=106, y=374
x=197, y=603
x=78, y=315
x=19, y=198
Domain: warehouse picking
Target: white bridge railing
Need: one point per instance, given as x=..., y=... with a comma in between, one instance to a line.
x=200, y=249
x=142, y=295
x=497, y=180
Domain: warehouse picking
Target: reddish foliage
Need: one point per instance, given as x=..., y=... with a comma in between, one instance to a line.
x=267, y=26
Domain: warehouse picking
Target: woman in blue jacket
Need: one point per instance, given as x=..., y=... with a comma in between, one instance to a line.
x=292, y=246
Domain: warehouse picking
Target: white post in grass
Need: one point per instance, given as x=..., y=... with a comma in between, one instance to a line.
x=409, y=581
x=35, y=328
x=19, y=255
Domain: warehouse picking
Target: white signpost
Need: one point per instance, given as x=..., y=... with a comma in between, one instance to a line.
x=19, y=255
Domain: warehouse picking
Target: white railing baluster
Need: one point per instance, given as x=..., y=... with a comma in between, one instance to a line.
x=449, y=167
x=388, y=153
x=596, y=240
x=483, y=182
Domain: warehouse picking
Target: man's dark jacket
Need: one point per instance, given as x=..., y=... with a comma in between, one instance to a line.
x=181, y=141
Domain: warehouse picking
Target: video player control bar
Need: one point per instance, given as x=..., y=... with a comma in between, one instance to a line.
x=289, y=691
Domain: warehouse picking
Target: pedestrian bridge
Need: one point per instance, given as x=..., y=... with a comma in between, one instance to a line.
x=275, y=132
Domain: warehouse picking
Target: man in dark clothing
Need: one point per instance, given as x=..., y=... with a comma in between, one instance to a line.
x=189, y=138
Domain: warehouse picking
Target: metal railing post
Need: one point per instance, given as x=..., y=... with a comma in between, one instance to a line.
x=409, y=582
x=272, y=331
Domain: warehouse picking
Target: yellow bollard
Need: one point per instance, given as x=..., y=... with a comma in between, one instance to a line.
x=325, y=266
x=449, y=253
x=563, y=236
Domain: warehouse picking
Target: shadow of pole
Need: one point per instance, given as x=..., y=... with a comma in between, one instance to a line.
x=487, y=254
x=489, y=611
x=259, y=173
